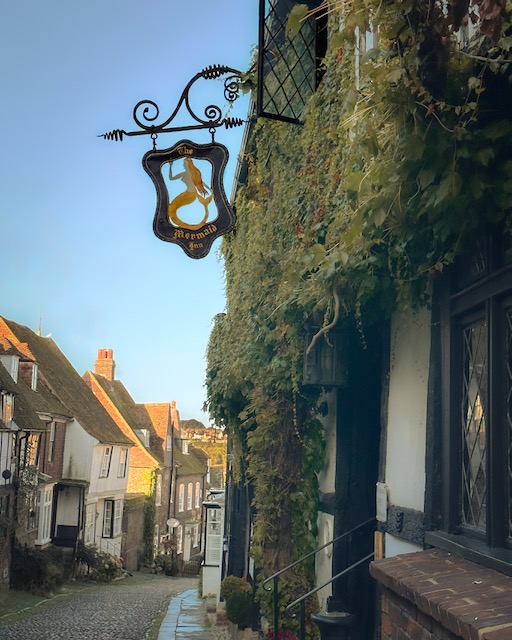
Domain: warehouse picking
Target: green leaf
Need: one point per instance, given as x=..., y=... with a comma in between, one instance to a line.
x=426, y=177
x=484, y=155
x=378, y=216
x=395, y=76
x=353, y=180
x=316, y=255
x=497, y=129
x=296, y=17
x=413, y=147
x=449, y=187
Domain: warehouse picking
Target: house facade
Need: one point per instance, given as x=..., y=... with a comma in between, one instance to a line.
x=449, y=433
x=162, y=473
x=73, y=468
x=147, y=471
x=362, y=367
x=190, y=469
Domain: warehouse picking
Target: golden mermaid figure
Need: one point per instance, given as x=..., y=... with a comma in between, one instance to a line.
x=196, y=189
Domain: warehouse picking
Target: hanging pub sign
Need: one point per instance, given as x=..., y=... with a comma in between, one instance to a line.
x=191, y=205
x=191, y=209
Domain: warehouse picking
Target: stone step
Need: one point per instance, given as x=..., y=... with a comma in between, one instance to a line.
x=222, y=621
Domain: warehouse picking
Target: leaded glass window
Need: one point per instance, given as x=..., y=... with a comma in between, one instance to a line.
x=288, y=64
x=508, y=410
x=474, y=426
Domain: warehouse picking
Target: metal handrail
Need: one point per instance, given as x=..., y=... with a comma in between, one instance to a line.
x=313, y=591
x=275, y=578
x=312, y=553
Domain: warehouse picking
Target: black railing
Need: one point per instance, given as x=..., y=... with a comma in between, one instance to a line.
x=301, y=601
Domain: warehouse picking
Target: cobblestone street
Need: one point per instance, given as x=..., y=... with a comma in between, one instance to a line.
x=124, y=610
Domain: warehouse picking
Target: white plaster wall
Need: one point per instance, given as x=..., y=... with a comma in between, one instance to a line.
x=211, y=581
x=327, y=477
x=105, y=487
x=397, y=546
x=323, y=559
x=326, y=480
x=78, y=449
x=406, y=431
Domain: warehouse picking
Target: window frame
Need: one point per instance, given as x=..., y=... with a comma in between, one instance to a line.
x=181, y=497
x=45, y=507
x=117, y=518
x=275, y=44
x=158, y=490
x=486, y=296
x=32, y=510
x=179, y=540
x=123, y=462
x=106, y=459
x=107, y=528
x=90, y=524
x=190, y=491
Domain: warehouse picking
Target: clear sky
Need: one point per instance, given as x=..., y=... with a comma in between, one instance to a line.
x=78, y=255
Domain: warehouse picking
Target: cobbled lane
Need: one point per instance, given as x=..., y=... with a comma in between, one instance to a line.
x=125, y=610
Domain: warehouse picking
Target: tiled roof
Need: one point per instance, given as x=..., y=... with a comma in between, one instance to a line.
x=121, y=406
x=9, y=349
x=200, y=454
x=189, y=464
x=28, y=404
x=60, y=380
x=159, y=415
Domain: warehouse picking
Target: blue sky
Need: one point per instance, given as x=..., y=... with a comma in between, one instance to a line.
x=78, y=252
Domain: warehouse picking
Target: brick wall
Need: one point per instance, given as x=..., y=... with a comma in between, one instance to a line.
x=104, y=365
x=433, y=595
x=133, y=532
x=7, y=500
x=54, y=466
x=400, y=620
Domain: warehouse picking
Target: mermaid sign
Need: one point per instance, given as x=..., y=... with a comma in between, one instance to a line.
x=192, y=209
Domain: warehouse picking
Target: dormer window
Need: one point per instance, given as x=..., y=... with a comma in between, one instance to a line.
x=143, y=435
x=7, y=406
x=28, y=373
x=184, y=446
x=11, y=363
x=33, y=384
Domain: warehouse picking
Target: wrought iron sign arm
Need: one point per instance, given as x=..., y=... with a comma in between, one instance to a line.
x=146, y=112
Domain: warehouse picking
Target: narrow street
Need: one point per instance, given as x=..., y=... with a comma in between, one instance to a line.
x=130, y=609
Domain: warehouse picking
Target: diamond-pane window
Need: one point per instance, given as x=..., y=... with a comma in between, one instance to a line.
x=474, y=426
x=508, y=404
x=288, y=64
x=474, y=264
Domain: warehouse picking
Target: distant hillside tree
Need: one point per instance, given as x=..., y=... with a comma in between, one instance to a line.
x=192, y=424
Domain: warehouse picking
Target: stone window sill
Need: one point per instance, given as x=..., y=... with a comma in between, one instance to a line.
x=471, y=601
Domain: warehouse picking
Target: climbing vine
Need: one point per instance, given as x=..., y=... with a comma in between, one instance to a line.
x=349, y=216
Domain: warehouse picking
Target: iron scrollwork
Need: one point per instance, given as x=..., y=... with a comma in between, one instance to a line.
x=146, y=112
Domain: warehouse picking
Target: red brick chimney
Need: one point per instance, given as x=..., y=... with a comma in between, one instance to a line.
x=105, y=365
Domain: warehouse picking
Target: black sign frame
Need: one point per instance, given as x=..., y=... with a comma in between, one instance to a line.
x=195, y=240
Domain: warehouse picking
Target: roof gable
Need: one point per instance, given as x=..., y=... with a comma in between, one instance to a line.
x=113, y=395
x=63, y=384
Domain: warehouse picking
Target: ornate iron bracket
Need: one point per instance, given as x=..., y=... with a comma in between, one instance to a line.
x=146, y=112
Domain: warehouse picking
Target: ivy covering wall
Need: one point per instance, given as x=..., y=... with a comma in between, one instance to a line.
x=347, y=216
